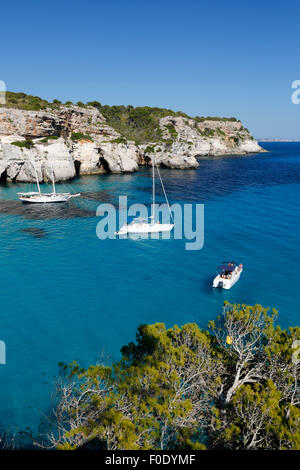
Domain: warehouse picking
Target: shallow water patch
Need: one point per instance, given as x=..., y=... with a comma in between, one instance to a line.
x=35, y=232
x=66, y=210
x=100, y=196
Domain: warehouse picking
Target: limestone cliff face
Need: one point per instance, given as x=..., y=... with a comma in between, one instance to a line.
x=75, y=140
x=185, y=140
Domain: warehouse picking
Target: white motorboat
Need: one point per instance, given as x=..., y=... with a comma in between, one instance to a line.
x=39, y=197
x=229, y=274
x=149, y=225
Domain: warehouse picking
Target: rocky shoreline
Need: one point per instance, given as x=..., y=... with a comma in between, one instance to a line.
x=77, y=140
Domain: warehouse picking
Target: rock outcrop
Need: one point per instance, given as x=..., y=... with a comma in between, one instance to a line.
x=76, y=140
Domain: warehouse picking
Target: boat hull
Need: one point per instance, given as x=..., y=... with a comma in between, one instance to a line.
x=44, y=199
x=227, y=283
x=144, y=228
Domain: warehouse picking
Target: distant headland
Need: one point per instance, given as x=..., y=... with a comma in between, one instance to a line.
x=278, y=140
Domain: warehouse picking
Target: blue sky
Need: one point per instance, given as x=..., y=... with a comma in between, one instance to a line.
x=227, y=58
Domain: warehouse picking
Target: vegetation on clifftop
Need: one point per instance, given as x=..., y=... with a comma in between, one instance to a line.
x=140, y=124
x=27, y=102
x=234, y=386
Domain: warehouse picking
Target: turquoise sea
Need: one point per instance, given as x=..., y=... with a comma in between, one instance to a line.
x=66, y=295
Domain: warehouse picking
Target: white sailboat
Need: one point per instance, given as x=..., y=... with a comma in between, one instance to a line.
x=149, y=225
x=39, y=197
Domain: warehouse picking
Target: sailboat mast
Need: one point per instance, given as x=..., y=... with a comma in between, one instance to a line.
x=153, y=191
x=37, y=180
x=53, y=183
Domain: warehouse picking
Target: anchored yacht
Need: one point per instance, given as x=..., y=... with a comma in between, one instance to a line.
x=141, y=225
x=229, y=274
x=39, y=197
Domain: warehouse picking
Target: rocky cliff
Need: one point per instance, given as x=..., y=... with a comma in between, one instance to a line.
x=77, y=140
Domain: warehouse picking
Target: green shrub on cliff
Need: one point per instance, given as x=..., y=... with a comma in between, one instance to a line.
x=80, y=136
x=215, y=118
x=220, y=132
x=23, y=143
x=150, y=149
x=233, y=386
x=138, y=124
x=119, y=140
x=172, y=130
x=207, y=132
x=94, y=104
x=235, y=139
x=49, y=137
